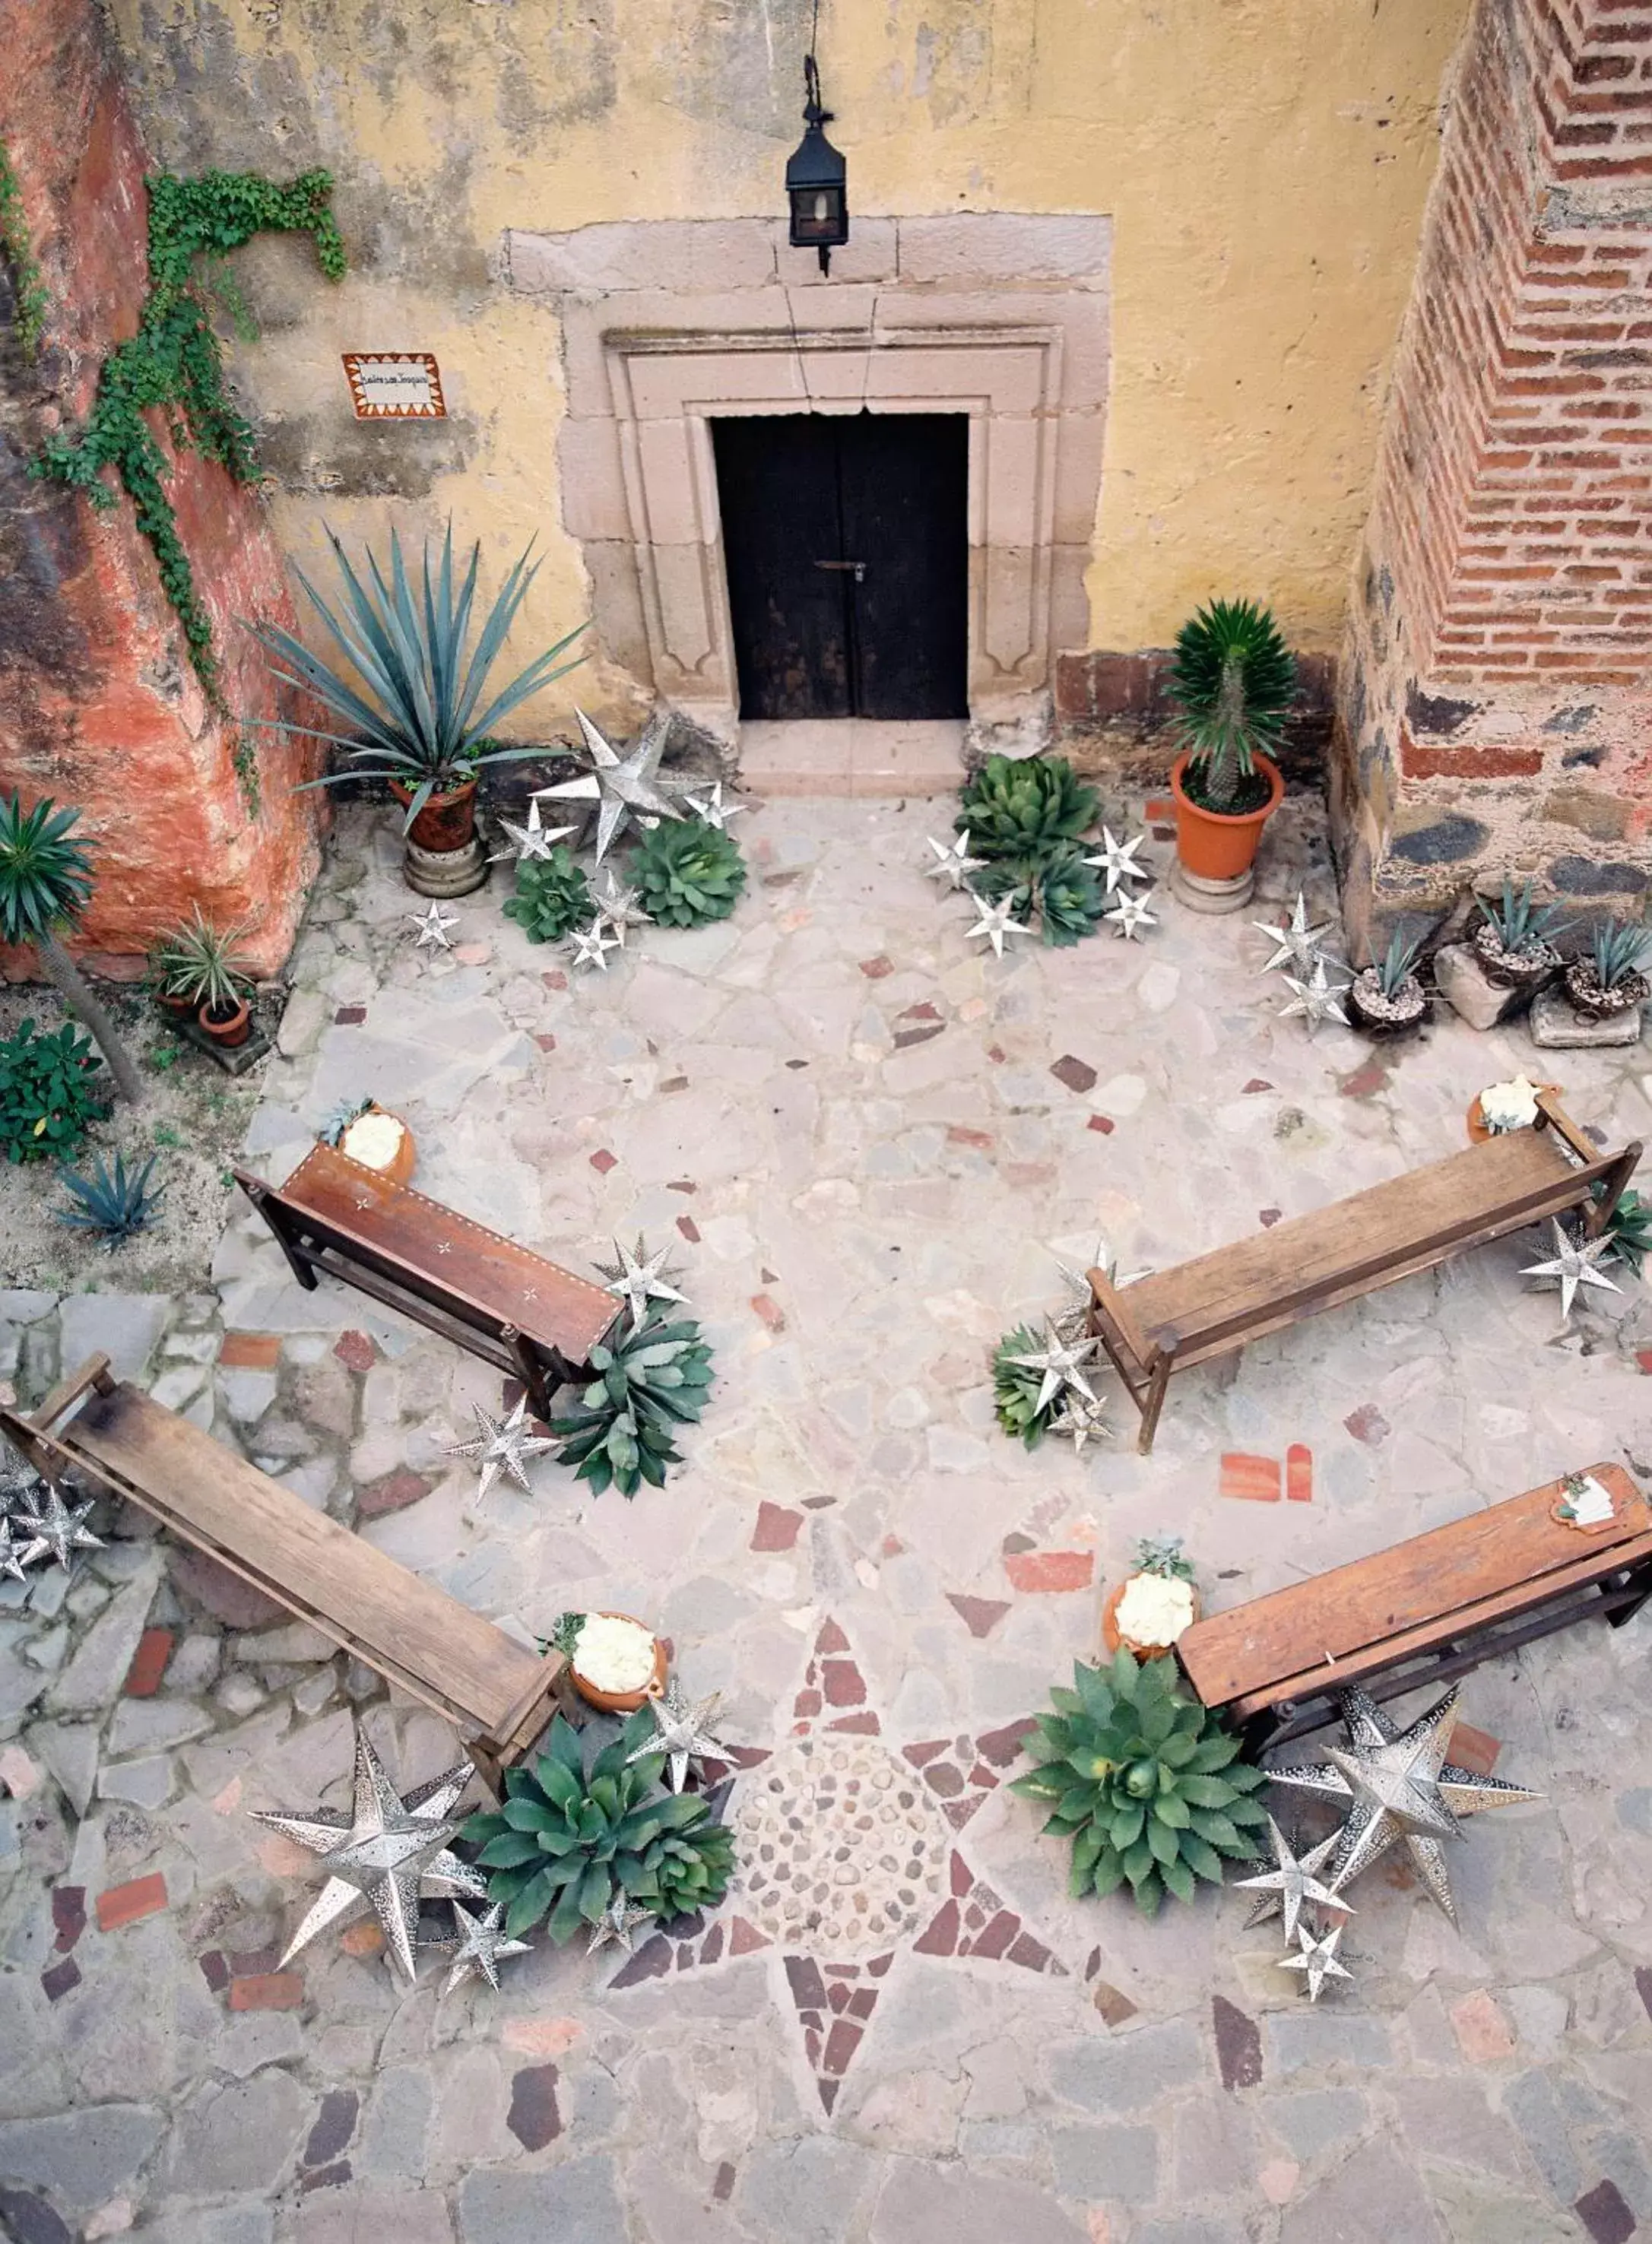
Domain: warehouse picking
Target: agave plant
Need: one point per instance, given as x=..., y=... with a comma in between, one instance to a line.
x=1618, y=949
x=1015, y=1389
x=1163, y=1555
x=1629, y=1228
x=686, y=873
x=1231, y=683
x=1027, y=809
x=198, y=964
x=571, y=1841
x=1070, y=898
x=1518, y=924
x=1149, y=1789
x=113, y=1206
x=650, y=1380
x=552, y=896
x=421, y=720
x=1398, y=963
x=46, y=884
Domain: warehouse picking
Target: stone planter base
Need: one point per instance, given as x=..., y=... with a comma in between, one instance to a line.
x=1467, y=988
x=445, y=872
x=1557, y=1025
x=1200, y=895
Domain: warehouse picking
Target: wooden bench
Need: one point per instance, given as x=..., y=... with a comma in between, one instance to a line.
x=456, y=1277
x=499, y=1695
x=1174, y=1318
x=1421, y=1613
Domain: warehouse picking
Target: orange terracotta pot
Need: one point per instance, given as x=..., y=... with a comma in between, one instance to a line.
x=1221, y=845
x=227, y=1028
x=1111, y=1637
x=447, y=821
x=620, y=1703
x=1478, y=1133
x=401, y=1168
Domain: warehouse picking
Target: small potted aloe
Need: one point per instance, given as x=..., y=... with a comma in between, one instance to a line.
x=1232, y=684
x=198, y=966
x=1513, y=944
x=1387, y=997
x=1606, y=979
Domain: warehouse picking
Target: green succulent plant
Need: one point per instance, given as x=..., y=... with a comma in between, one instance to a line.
x=1231, y=685
x=569, y=1840
x=1144, y=1782
x=1398, y=963
x=1163, y=1554
x=45, y=885
x=1071, y=898
x=648, y=1383
x=552, y=896
x=1629, y=1228
x=687, y=872
x=1519, y=923
x=1015, y=1390
x=198, y=962
x=51, y=1091
x=1618, y=949
x=1024, y=809
x=114, y=1206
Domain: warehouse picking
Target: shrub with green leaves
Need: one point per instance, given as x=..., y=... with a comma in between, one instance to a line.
x=568, y=1841
x=1232, y=685
x=51, y=1091
x=1015, y=1389
x=686, y=873
x=649, y=1382
x=1629, y=1228
x=1071, y=898
x=1024, y=807
x=1143, y=1781
x=552, y=896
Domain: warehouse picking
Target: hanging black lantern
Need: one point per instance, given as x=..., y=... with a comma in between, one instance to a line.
x=817, y=180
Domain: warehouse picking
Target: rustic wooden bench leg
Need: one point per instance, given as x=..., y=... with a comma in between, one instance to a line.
x=1597, y=1213
x=529, y=1370
x=1153, y=1403
x=485, y=1755
x=1639, y=1579
x=261, y=1198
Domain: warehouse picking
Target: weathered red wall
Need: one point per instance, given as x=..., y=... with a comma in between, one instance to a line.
x=99, y=706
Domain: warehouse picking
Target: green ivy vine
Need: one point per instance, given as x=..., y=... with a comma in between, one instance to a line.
x=18, y=252
x=175, y=363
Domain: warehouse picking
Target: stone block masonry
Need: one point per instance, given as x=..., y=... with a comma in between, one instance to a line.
x=1497, y=674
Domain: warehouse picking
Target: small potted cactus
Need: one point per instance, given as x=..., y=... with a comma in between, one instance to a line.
x=1606, y=979
x=1155, y=1604
x=1232, y=685
x=1387, y=997
x=617, y=1664
x=1512, y=945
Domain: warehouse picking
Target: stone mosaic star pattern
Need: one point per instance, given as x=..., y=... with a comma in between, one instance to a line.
x=848, y=1859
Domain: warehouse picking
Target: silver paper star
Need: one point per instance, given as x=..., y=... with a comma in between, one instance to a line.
x=16, y=1555
x=618, y=908
x=996, y=921
x=1575, y=1263
x=627, y=789
x=1080, y=1422
x=1315, y=999
x=637, y=1279
x=708, y=805
x=435, y=927
x=1118, y=859
x=1398, y=1785
x=1073, y=1322
x=1317, y=1958
x=387, y=1855
x=535, y=839
x=616, y=1924
x=682, y=1734
x=51, y=1526
x=1295, y=944
x=592, y=944
x=1061, y=1362
x=953, y=863
x=478, y=1948
x=1291, y=1882
x=502, y=1446
x=1130, y=915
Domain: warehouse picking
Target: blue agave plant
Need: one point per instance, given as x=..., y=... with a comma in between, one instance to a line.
x=115, y=1206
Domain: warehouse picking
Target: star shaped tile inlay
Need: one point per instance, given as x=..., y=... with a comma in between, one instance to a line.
x=836, y=1901
x=628, y=790
x=503, y=1445
x=1317, y=1958
x=1575, y=1264
x=481, y=1943
x=51, y=1527
x=1291, y=1882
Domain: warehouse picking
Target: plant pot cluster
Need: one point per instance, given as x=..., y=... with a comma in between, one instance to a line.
x=1586, y=994
x=1386, y=1013
x=1526, y=968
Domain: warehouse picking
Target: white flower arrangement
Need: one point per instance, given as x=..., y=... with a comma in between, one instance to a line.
x=373, y=1141
x=614, y=1655
x=1511, y=1105
x=1154, y=1609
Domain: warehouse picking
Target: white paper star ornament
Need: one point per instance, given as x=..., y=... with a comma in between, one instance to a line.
x=996, y=922
x=953, y=863
x=1117, y=860
x=628, y=790
x=1575, y=1264
x=502, y=1446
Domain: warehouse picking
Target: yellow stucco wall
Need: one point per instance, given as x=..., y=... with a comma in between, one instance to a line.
x=1265, y=162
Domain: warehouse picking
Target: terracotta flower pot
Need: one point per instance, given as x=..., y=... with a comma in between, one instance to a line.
x=447, y=821
x=1478, y=1133
x=1111, y=1637
x=1218, y=844
x=620, y=1702
x=400, y=1169
x=227, y=1028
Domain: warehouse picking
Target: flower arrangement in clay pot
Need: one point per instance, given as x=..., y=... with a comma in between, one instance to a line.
x=1231, y=685
x=1154, y=1605
x=617, y=1664
x=373, y=1137
x=1606, y=979
x=1513, y=943
x=1387, y=997
x=1505, y=1106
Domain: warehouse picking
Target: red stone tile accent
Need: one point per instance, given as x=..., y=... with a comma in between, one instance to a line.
x=770, y=1311
x=1484, y=2035
x=682, y=1185
x=1299, y=1473
x=777, y=1528
x=1367, y=1424
x=831, y=1638
x=1364, y=1082
x=1605, y=2212
x=250, y=1351
x=1114, y=2007
x=1266, y=1217
x=1643, y=1358
x=1002, y=1747
x=534, y=2118
x=68, y=1915
x=354, y=1351
x=335, y=2125
x=723, y=2186
x=997, y=1054
x=125, y=1904
x=1437, y=761
x=1077, y=1074
x=1049, y=1570
x=983, y=1140
x=1238, y=2044
x=149, y=1663
x=863, y=1724
x=363, y=1940
x=267, y=1990
x=349, y=1016
x=1256, y=1083
x=392, y=1492
x=921, y=1756
x=979, y=1615
x=1643, y=1986
x=744, y=1939
x=1103, y=1123
x=940, y=1936
x=603, y=1160
x=60, y=1979
x=689, y=1229
x=554, y=979
x=845, y=1686
x=806, y=1703
x=545, y=1042
x=1254, y=1480
x=905, y=1039
x=1473, y=1749
x=214, y=1969
x=876, y=969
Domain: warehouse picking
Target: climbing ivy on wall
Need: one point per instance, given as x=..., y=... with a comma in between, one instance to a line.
x=18, y=252
x=175, y=363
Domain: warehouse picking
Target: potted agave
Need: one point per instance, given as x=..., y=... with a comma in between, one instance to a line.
x=422, y=723
x=617, y=1664
x=1387, y=997
x=1512, y=944
x=1154, y=1605
x=197, y=969
x=1606, y=979
x=1231, y=685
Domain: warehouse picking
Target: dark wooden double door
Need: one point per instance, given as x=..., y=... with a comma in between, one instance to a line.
x=846, y=541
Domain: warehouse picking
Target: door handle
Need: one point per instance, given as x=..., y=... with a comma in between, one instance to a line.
x=859, y=568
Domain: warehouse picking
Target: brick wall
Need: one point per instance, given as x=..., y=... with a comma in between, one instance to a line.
x=1497, y=678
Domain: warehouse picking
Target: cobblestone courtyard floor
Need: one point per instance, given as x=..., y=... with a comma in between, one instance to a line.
x=870, y=1142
